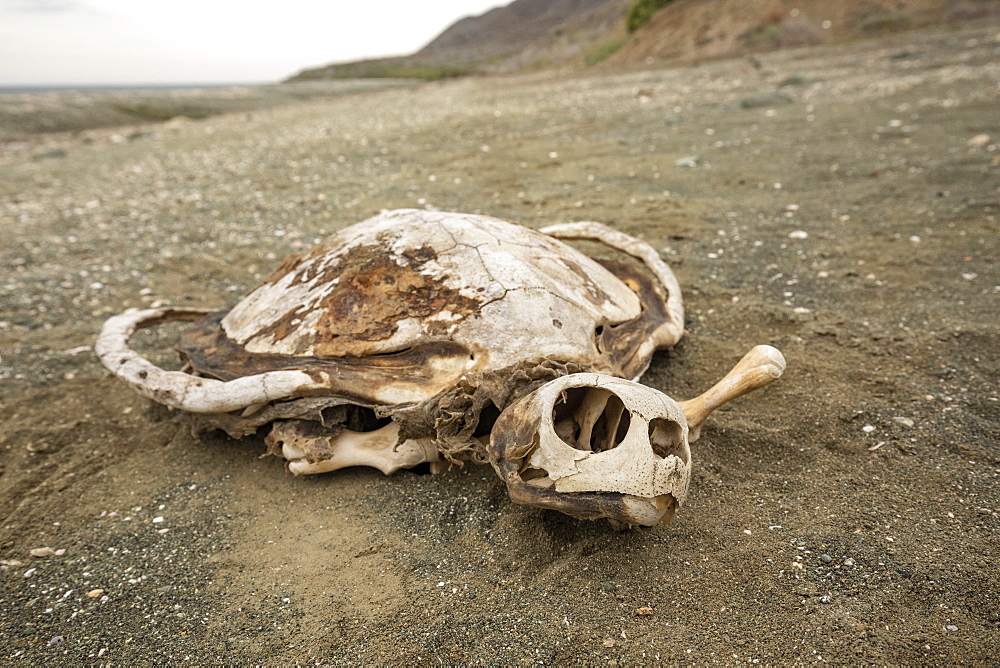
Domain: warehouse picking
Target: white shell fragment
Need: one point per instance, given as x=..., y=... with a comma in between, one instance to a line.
x=403, y=276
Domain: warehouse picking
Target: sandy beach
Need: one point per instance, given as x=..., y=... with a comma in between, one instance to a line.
x=837, y=202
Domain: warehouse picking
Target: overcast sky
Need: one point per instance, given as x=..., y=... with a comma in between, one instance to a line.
x=47, y=42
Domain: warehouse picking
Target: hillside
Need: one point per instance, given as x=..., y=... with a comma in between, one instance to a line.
x=524, y=34
x=696, y=30
x=537, y=34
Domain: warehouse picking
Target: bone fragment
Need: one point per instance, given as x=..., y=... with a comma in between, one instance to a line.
x=589, y=413
x=758, y=367
x=378, y=449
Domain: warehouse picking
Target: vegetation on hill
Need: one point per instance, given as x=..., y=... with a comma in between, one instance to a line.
x=640, y=11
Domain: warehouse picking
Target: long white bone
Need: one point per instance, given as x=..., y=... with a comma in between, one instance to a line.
x=380, y=449
x=760, y=366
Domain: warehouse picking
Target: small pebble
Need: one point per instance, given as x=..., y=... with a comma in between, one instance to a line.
x=825, y=558
x=905, y=421
x=644, y=610
x=94, y=593
x=951, y=627
x=798, y=234
x=764, y=100
x=42, y=552
x=849, y=562
x=868, y=429
x=978, y=141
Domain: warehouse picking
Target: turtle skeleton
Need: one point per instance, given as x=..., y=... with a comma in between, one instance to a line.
x=420, y=337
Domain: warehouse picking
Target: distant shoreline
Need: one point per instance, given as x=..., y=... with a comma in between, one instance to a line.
x=28, y=89
x=32, y=111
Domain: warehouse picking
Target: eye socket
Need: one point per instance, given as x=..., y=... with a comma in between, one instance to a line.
x=590, y=419
x=667, y=438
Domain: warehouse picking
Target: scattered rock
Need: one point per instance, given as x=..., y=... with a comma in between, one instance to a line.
x=42, y=552
x=51, y=154
x=764, y=100
x=793, y=80
x=905, y=421
x=978, y=141
x=825, y=558
x=644, y=610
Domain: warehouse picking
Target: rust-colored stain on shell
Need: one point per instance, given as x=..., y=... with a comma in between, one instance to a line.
x=369, y=292
x=429, y=366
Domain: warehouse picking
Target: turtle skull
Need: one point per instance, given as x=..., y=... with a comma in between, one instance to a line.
x=592, y=445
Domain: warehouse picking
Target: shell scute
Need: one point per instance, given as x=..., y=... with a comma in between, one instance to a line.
x=410, y=276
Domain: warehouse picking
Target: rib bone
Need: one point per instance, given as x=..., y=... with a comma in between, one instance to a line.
x=181, y=390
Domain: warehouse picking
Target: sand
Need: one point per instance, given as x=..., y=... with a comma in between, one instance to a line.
x=837, y=202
